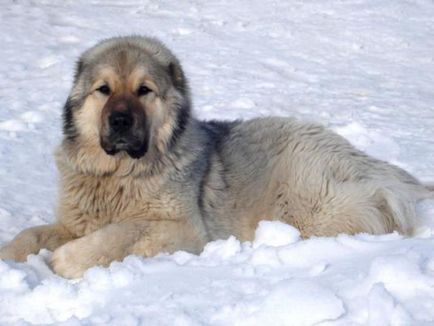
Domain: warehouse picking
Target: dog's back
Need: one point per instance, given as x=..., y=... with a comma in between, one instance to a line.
x=305, y=175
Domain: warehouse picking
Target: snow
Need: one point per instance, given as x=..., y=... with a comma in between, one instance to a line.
x=363, y=68
x=275, y=234
x=348, y=279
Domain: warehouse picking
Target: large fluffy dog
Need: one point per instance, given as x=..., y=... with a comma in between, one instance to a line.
x=140, y=175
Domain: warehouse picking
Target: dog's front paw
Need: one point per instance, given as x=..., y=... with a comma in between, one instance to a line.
x=66, y=261
x=19, y=248
x=9, y=252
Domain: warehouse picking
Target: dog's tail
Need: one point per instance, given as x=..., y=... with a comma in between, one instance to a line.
x=430, y=187
x=427, y=191
x=400, y=203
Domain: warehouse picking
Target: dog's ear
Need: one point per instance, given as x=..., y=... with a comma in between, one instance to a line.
x=79, y=67
x=69, y=129
x=178, y=77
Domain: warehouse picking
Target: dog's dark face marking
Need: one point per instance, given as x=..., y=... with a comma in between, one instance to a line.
x=124, y=125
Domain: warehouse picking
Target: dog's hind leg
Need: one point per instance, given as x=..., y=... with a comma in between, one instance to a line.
x=31, y=240
x=352, y=208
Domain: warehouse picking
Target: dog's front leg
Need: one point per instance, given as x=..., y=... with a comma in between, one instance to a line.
x=118, y=240
x=31, y=240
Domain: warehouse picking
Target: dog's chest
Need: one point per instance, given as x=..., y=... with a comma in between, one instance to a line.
x=94, y=202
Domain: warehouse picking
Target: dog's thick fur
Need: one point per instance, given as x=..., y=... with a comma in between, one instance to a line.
x=177, y=183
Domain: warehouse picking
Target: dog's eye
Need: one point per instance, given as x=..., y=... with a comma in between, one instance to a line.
x=143, y=90
x=104, y=89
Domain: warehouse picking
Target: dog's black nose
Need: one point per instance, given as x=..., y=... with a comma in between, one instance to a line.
x=120, y=121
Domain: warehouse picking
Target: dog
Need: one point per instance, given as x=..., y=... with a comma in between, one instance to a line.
x=140, y=175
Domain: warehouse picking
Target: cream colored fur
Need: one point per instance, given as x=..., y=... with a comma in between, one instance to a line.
x=210, y=181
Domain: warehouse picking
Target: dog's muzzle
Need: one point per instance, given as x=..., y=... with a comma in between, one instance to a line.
x=124, y=127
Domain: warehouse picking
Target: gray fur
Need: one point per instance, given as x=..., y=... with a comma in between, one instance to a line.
x=201, y=181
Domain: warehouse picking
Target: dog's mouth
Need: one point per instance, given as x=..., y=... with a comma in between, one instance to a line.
x=134, y=147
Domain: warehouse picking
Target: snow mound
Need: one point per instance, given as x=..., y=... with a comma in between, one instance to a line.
x=275, y=234
x=348, y=279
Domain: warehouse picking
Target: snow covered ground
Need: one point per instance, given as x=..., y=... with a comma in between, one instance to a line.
x=364, y=68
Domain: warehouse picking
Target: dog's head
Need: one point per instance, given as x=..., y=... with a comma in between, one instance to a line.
x=130, y=97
